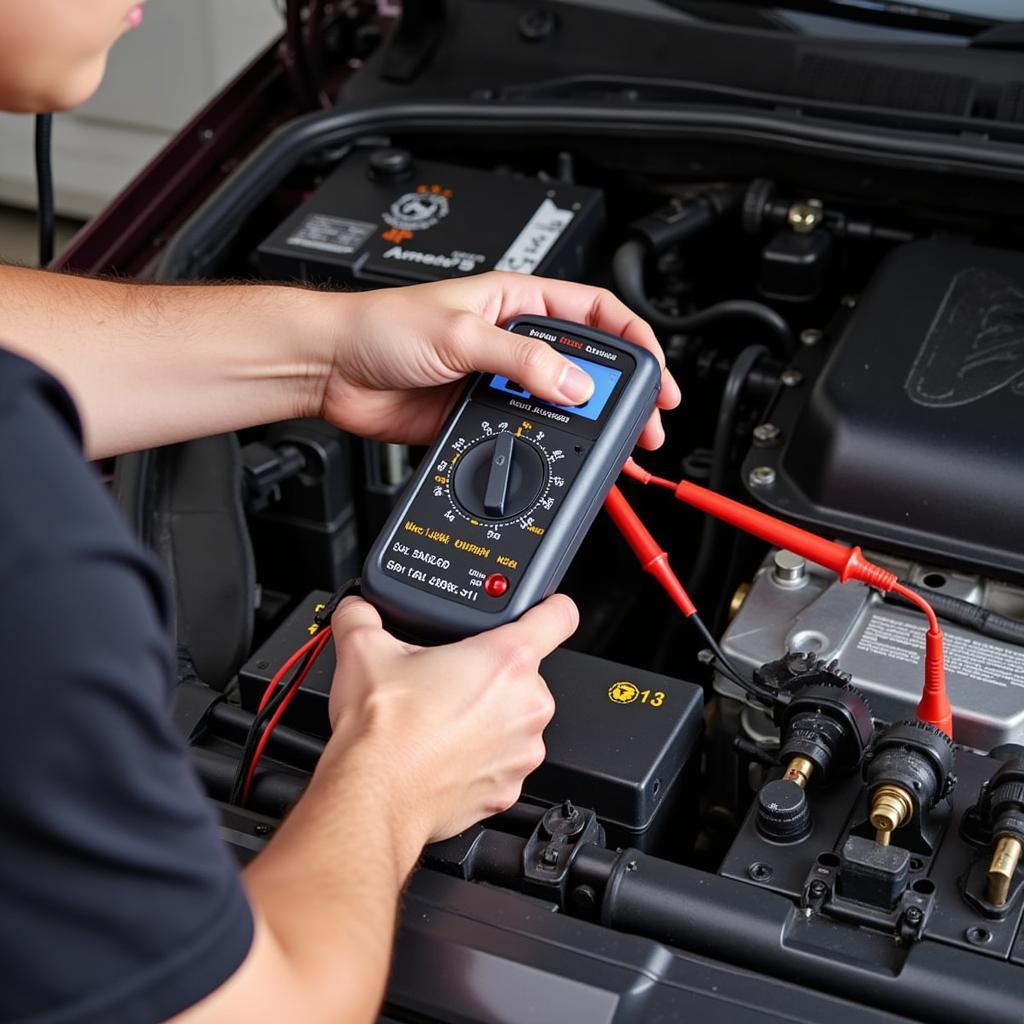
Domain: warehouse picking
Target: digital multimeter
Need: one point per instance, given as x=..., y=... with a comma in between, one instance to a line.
x=494, y=514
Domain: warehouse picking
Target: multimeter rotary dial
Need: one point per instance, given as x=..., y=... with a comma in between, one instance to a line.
x=499, y=477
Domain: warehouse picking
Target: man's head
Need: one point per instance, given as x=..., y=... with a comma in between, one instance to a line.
x=53, y=52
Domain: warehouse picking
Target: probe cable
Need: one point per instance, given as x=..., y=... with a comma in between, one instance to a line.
x=275, y=715
x=275, y=701
x=847, y=563
x=655, y=561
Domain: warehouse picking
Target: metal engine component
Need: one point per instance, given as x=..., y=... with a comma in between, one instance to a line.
x=881, y=646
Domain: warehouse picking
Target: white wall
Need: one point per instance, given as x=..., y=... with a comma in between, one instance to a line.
x=158, y=77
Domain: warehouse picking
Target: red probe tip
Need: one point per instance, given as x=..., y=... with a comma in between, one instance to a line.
x=934, y=706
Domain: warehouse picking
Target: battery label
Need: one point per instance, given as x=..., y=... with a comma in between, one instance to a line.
x=331, y=234
x=534, y=242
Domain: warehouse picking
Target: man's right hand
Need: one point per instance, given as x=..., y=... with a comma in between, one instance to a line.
x=454, y=730
x=427, y=741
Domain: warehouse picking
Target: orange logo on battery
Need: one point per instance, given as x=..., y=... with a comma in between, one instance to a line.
x=396, y=235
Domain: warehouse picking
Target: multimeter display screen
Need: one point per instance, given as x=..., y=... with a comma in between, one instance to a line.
x=604, y=378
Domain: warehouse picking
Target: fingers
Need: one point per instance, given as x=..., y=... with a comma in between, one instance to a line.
x=530, y=362
x=653, y=434
x=585, y=304
x=351, y=615
x=521, y=644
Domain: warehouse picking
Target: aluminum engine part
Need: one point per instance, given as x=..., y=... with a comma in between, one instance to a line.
x=881, y=645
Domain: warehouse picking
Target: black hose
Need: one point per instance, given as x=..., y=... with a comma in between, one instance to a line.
x=628, y=271
x=725, y=427
x=44, y=187
x=963, y=613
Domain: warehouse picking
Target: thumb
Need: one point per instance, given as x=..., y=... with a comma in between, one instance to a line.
x=536, y=633
x=530, y=362
x=353, y=614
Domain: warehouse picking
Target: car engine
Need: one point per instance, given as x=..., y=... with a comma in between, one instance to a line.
x=851, y=352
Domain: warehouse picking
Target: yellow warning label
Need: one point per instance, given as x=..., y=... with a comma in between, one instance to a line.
x=623, y=692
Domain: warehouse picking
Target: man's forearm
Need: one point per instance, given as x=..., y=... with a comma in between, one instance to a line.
x=152, y=364
x=325, y=892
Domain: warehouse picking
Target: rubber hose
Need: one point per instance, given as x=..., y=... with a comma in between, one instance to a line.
x=628, y=271
x=963, y=613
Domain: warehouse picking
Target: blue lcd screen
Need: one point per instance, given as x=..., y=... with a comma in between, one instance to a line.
x=604, y=378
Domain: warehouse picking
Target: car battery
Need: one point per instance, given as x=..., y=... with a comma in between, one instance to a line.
x=383, y=217
x=623, y=741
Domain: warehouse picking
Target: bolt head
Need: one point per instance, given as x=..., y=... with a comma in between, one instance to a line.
x=762, y=476
x=805, y=216
x=584, y=896
x=788, y=567
x=791, y=378
x=765, y=432
x=811, y=336
x=537, y=24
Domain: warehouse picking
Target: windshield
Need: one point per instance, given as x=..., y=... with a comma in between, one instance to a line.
x=954, y=19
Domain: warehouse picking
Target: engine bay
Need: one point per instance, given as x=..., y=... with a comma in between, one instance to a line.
x=850, y=350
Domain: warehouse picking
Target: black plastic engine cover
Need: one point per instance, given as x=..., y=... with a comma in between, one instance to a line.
x=907, y=428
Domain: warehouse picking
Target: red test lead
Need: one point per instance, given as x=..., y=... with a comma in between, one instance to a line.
x=847, y=563
x=646, y=549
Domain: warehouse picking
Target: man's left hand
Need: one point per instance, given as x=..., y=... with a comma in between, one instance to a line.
x=399, y=354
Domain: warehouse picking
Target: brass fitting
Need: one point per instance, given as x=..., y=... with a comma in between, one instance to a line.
x=799, y=771
x=737, y=600
x=891, y=806
x=1001, y=868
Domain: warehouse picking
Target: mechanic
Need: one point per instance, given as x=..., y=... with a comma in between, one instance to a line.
x=119, y=900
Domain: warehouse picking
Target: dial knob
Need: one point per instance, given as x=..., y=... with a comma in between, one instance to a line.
x=499, y=478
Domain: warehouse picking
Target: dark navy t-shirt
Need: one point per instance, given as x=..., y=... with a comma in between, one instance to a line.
x=118, y=901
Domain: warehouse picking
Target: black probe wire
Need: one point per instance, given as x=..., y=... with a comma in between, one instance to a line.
x=44, y=187
x=259, y=722
x=759, y=693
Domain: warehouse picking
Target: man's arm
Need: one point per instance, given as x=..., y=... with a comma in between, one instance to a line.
x=426, y=742
x=150, y=365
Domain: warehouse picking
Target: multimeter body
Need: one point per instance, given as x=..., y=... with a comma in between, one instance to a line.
x=498, y=508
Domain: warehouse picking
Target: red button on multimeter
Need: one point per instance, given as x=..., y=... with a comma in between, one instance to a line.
x=496, y=585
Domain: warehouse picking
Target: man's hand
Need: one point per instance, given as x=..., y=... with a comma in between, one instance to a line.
x=150, y=365
x=400, y=353
x=426, y=741
x=453, y=730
